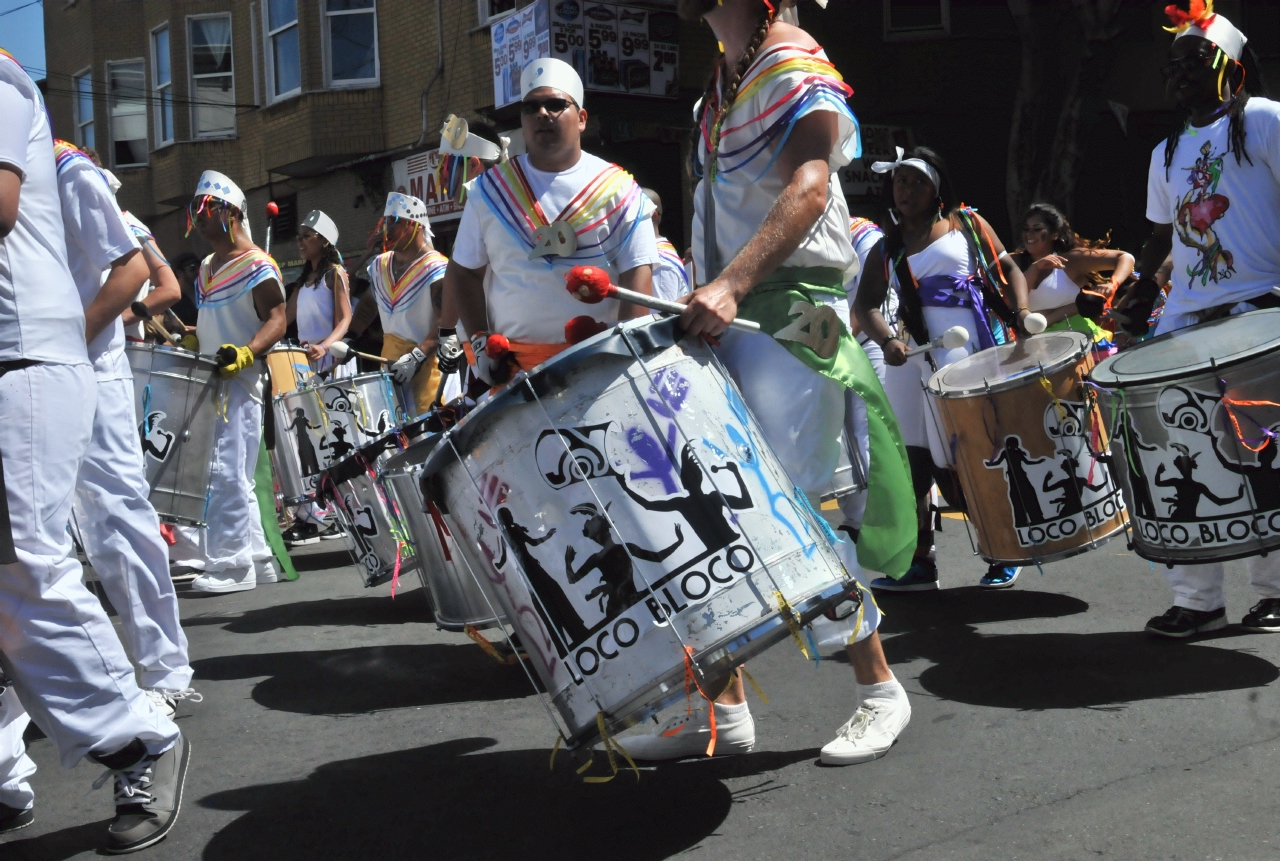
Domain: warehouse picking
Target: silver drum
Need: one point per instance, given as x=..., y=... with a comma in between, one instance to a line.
x=321, y=423
x=176, y=394
x=626, y=507
x=457, y=597
x=369, y=514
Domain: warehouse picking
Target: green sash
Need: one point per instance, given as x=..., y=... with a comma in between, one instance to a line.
x=264, y=490
x=788, y=306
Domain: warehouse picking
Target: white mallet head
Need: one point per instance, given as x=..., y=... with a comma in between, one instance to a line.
x=340, y=351
x=1035, y=323
x=955, y=337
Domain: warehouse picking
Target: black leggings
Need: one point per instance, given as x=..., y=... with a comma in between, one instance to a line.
x=924, y=474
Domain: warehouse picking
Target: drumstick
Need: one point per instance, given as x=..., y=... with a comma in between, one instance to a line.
x=952, y=339
x=143, y=313
x=590, y=284
x=340, y=351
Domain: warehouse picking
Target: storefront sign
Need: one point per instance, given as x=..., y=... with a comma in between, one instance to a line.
x=419, y=176
x=878, y=142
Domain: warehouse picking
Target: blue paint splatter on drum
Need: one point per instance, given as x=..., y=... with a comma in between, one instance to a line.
x=655, y=457
x=776, y=497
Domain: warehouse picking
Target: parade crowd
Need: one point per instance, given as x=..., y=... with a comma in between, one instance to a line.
x=853, y=345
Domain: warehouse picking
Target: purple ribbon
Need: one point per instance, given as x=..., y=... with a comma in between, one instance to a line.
x=948, y=291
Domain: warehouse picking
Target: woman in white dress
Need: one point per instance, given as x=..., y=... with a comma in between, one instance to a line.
x=320, y=301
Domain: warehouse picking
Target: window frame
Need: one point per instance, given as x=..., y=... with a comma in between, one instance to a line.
x=196, y=134
x=141, y=62
x=484, y=19
x=327, y=49
x=80, y=122
x=268, y=52
x=912, y=34
x=159, y=90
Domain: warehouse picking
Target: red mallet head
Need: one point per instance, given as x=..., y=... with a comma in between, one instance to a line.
x=497, y=346
x=580, y=329
x=272, y=209
x=589, y=284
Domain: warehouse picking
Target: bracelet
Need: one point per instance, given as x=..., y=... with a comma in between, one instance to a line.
x=886, y=341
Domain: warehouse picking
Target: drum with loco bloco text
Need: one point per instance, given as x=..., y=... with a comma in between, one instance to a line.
x=1027, y=443
x=1194, y=415
x=632, y=524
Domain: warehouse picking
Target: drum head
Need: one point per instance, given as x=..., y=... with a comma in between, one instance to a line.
x=1186, y=352
x=1008, y=365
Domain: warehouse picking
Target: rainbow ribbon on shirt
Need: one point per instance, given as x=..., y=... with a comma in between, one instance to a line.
x=422, y=273
x=235, y=279
x=860, y=227
x=817, y=86
x=65, y=155
x=668, y=254
x=610, y=198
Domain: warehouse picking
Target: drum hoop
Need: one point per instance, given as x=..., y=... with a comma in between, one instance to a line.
x=1009, y=383
x=176, y=352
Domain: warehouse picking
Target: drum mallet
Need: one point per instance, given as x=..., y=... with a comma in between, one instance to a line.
x=590, y=284
x=341, y=352
x=143, y=313
x=273, y=209
x=1035, y=324
x=952, y=339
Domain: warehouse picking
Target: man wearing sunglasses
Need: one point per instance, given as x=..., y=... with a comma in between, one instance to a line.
x=527, y=221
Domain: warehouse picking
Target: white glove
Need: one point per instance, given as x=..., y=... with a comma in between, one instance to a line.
x=407, y=365
x=448, y=353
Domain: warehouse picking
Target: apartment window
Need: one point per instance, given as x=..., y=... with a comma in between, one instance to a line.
x=916, y=19
x=127, y=102
x=213, y=92
x=284, y=68
x=490, y=10
x=351, y=42
x=84, y=110
x=162, y=85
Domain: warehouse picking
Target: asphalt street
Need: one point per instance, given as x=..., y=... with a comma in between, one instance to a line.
x=339, y=723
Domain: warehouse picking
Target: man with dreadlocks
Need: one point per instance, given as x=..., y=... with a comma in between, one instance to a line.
x=242, y=314
x=1216, y=184
x=771, y=242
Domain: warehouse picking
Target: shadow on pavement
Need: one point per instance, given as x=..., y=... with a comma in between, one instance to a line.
x=1066, y=671
x=56, y=845
x=356, y=681
x=457, y=800
x=377, y=608
x=322, y=561
x=950, y=608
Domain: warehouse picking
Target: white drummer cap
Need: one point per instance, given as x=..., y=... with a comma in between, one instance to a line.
x=550, y=72
x=456, y=139
x=1218, y=30
x=220, y=186
x=322, y=224
x=406, y=206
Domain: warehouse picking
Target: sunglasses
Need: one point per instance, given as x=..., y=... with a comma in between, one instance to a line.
x=1188, y=64
x=553, y=107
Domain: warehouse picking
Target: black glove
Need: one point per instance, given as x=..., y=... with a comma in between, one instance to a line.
x=1090, y=304
x=448, y=353
x=1144, y=294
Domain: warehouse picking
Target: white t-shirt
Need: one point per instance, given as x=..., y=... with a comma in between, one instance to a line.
x=143, y=234
x=866, y=235
x=527, y=300
x=783, y=84
x=1225, y=246
x=227, y=312
x=670, y=278
x=40, y=315
x=97, y=235
x=404, y=302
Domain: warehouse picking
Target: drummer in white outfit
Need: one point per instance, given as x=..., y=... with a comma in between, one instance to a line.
x=118, y=526
x=938, y=252
x=57, y=644
x=242, y=314
x=320, y=304
x=1224, y=262
x=160, y=291
x=865, y=235
x=770, y=235
x=670, y=279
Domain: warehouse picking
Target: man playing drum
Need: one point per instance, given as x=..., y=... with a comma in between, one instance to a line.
x=770, y=241
x=57, y=645
x=242, y=314
x=1216, y=182
x=118, y=526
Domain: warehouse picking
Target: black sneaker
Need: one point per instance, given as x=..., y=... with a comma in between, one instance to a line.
x=300, y=533
x=11, y=818
x=1264, y=617
x=1180, y=623
x=331, y=532
x=148, y=798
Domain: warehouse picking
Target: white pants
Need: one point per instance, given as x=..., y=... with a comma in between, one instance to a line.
x=121, y=535
x=234, y=538
x=16, y=767
x=802, y=415
x=56, y=643
x=1199, y=587
x=189, y=549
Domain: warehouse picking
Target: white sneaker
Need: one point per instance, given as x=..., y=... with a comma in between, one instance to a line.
x=230, y=580
x=685, y=734
x=167, y=700
x=872, y=730
x=266, y=571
